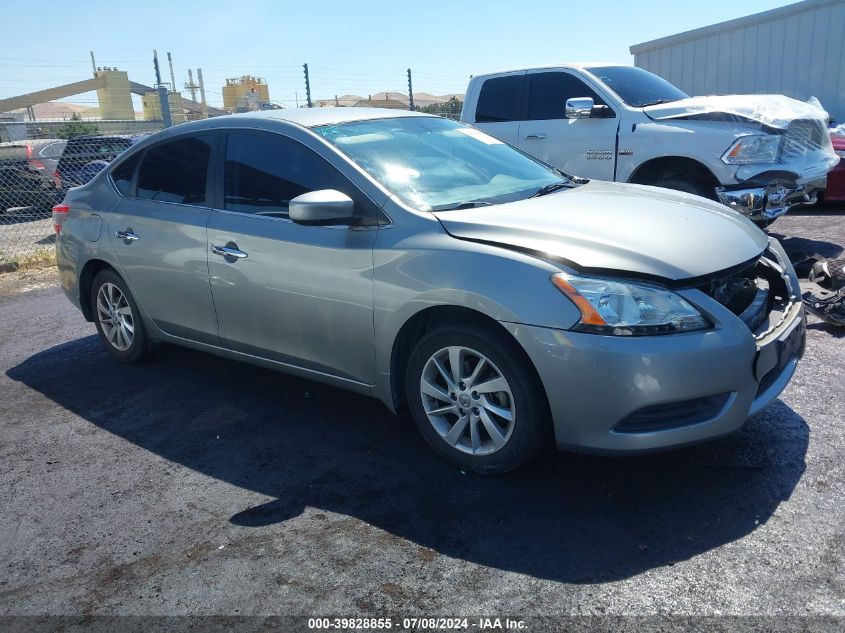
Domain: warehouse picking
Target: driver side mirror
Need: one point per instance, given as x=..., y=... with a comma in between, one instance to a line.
x=579, y=108
x=323, y=207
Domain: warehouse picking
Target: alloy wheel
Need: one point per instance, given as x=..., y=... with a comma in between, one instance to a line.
x=115, y=316
x=467, y=400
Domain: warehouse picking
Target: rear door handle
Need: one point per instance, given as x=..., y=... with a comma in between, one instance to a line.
x=127, y=236
x=228, y=251
x=532, y=137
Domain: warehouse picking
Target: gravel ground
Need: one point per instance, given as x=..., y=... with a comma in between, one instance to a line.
x=23, y=238
x=193, y=485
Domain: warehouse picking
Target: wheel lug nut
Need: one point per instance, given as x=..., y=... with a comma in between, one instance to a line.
x=462, y=412
x=475, y=395
x=453, y=396
x=462, y=386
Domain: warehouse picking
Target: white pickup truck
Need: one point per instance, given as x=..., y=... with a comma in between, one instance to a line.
x=759, y=154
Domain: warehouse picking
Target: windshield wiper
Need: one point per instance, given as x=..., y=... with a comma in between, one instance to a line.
x=551, y=187
x=467, y=205
x=657, y=102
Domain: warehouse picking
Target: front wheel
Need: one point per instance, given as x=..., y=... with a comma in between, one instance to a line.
x=697, y=187
x=117, y=318
x=476, y=399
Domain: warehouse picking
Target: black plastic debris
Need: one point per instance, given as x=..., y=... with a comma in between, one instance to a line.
x=823, y=291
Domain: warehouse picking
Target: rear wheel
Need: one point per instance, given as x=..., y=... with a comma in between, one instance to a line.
x=117, y=318
x=476, y=399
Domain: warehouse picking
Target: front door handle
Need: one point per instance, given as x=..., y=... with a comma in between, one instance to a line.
x=532, y=137
x=230, y=250
x=127, y=236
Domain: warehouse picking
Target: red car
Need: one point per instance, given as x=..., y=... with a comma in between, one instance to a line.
x=835, y=190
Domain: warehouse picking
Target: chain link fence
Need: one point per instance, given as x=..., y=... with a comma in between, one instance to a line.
x=37, y=170
x=50, y=157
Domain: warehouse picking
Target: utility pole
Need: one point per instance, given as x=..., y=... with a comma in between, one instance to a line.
x=307, y=86
x=410, y=92
x=191, y=86
x=172, y=76
x=162, y=94
x=93, y=64
x=203, y=104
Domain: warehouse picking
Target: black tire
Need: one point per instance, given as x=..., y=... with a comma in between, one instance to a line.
x=139, y=348
x=531, y=426
x=697, y=187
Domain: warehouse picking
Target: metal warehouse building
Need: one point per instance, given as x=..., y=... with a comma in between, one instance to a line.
x=797, y=50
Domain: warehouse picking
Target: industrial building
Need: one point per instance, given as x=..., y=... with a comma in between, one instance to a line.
x=797, y=50
x=245, y=93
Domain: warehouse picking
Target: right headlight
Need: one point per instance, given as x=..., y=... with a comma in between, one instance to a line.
x=754, y=148
x=625, y=308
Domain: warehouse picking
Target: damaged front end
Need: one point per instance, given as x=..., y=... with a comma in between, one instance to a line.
x=781, y=158
x=769, y=195
x=765, y=296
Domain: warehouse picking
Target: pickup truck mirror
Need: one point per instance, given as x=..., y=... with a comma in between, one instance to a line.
x=579, y=108
x=323, y=207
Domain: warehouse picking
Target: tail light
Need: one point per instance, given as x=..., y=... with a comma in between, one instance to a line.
x=33, y=163
x=60, y=211
x=57, y=179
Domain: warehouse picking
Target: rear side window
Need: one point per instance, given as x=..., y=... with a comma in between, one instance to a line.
x=500, y=99
x=53, y=150
x=176, y=171
x=264, y=171
x=122, y=174
x=548, y=92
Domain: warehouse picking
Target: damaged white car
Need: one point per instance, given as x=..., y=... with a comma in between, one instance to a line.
x=759, y=154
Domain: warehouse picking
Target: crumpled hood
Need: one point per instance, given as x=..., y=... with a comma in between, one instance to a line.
x=618, y=228
x=771, y=110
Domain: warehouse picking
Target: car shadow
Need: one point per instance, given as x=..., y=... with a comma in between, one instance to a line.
x=570, y=518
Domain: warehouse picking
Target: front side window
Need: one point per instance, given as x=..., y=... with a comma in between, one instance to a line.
x=176, y=171
x=265, y=171
x=548, y=92
x=500, y=99
x=638, y=87
x=437, y=164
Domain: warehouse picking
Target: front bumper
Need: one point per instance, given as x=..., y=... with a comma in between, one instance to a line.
x=767, y=202
x=612, y=394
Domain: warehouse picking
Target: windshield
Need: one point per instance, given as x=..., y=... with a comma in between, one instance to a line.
x=638, y=87
x=434, y=164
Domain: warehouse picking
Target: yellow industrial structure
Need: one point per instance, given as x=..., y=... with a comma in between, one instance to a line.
x=245, y=93
x=115, y=97
x=152, y=106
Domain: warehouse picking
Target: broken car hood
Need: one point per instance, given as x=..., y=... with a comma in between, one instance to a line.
x=613, y=228
x=771, y=110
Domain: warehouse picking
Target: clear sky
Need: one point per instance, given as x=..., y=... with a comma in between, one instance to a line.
x=352, y=47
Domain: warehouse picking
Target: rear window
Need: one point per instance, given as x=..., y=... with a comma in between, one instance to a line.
x=499, y=99
x=106, y=148
x=176, y=171
x=53, y=150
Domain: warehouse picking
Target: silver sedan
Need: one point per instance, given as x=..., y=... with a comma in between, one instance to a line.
x=425, y=263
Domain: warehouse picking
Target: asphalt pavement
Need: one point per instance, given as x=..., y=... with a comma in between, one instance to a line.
x=194, y=485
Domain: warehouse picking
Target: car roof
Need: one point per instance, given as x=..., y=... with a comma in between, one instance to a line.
x=32, y=141
x=131, y=137
x=568, y=66
x=311, y=117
